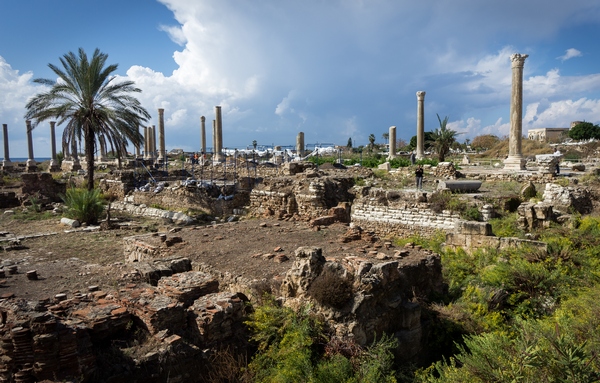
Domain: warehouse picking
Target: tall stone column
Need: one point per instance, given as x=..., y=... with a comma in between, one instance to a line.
x=102, y=156
x=6, y=164
x=420, y=125
x=161, y=135
x=30, y=165
x=300, y=144
x=203, y=134
x=214, y=140
x=146, y=142
x=53, y=161
x=76, y=164
x=392, y=138
x=219, y=132
x=515, y=160
x=152, y=137
x=137, y=147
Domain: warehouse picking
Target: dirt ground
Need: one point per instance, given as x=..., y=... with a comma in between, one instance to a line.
x=69, y=261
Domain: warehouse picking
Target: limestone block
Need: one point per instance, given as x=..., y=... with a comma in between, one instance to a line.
x=473, y=227
x=187, y=287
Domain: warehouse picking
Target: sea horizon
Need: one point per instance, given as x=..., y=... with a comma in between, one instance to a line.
x=24, y=159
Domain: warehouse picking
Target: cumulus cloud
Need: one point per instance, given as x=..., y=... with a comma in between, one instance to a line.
x=569, y=54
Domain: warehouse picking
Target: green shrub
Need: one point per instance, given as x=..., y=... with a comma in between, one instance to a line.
x=84, y=205
x=287, y=351
x=471, y=213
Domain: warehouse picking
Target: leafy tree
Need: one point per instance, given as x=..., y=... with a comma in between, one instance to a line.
x=371, y=141
x=428, y=138
x=92, y=104
x=484, y=142
x=584, y=131
x=442, y=138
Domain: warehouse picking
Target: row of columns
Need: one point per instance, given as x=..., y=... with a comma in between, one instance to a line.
x=514, y=161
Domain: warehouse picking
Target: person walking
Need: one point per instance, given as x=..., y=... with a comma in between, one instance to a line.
x=419, y=177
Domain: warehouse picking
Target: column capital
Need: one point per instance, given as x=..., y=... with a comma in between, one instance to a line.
x=518, y=60
x=202, y=118
x=421, y=95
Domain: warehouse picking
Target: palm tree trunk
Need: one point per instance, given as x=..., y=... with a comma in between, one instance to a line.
x=89, y=155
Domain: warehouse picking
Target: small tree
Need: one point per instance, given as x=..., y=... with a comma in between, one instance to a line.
x=349, y=144
x=254, y=143
x=443, y=138
x=371, y=141
x=584, y=131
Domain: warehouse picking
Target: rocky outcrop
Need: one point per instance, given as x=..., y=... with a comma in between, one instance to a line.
x=363, y=299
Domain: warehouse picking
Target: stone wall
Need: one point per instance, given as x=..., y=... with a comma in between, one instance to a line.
x=470, y=235
x=398, y=213
x=308, y=196
x=42, y=184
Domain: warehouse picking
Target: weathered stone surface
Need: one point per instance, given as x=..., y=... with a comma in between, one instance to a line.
x=445, y=170
x=378, y=297
x=219, y=317
x=461, y=186
x=397, y=213
x=187, y=287
x=568, y=197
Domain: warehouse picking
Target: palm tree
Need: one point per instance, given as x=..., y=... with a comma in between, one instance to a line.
x=92, y=104
x=385, y=136
x=371, y=141
x=254, y=143
x=442, y=138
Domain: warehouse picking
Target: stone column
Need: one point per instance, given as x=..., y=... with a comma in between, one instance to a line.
x=76, y=165
x=300, y=144
x=137, y=147
x=53, y=161
x=214, y=140
x=153, y=142
x=30, y=165
x=219, y=132
x=392, y=138
x=161, y=135
x=203, y=134
x=420, y=125
x=102, y=156
x=146, y=142
x=515, y=160
x=6, y=164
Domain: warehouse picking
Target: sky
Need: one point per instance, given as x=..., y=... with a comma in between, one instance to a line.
x=333, y=69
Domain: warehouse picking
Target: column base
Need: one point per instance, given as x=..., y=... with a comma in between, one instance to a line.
x=31, y=166
x=53, y=167
x=7, y=165
x=515, y=163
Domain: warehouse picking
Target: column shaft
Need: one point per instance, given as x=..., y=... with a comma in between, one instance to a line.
x=420, y=125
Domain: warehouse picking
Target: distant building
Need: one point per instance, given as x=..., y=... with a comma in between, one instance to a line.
x=547, y=134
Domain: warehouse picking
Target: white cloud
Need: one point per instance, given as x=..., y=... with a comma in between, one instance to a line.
x=569, y=54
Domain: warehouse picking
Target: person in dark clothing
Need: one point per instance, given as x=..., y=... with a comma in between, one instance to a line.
x=419, y=176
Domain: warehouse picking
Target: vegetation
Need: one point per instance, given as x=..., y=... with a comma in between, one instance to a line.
x=443, y=138
x=93, y=105
x=584, y=131
x=84, y=205
x=291, y=349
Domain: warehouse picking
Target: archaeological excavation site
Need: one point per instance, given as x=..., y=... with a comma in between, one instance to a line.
x=294, y=265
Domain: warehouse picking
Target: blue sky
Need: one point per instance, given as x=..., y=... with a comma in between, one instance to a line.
x=332, y=69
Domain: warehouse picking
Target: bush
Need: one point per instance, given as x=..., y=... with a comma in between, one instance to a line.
x=331, y=289
x=84, y=205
